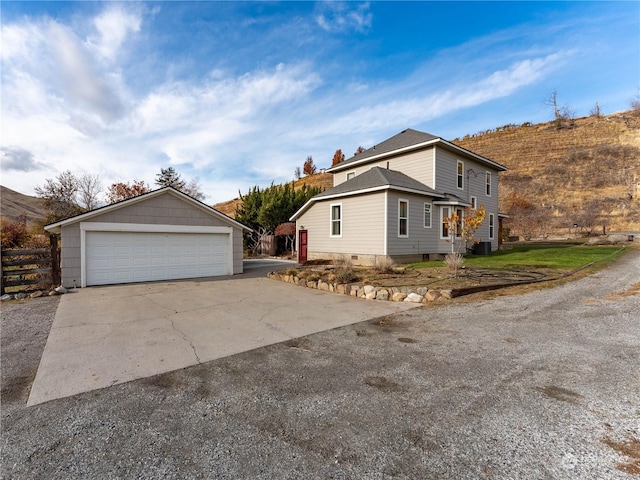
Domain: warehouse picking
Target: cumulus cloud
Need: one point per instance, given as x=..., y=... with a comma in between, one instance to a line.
x=18, y=159
x=344, y=16
x=113, y=27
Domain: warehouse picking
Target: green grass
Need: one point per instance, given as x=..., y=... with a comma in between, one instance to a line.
x=561, y=257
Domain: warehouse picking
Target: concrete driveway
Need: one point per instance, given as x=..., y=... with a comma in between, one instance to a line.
x=103, y=336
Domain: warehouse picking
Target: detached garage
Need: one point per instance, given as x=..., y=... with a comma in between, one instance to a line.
x=161, y=235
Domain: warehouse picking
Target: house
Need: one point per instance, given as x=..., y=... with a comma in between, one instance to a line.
x=390, y=201
x=161, y=235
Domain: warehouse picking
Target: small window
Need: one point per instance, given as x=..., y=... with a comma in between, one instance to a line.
x=459, y=223
x=351, y=175
x=491, y=226
x=474, y=202
x=336, y=220
x=460, y=174
x=488, y=184
x=445, y=212
x=427, y=215
x=403, y=218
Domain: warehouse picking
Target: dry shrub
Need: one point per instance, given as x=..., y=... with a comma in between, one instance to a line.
x=383, y=265
x=454, y=261
x=343, y=263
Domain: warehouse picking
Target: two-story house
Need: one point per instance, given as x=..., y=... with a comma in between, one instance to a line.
x=391, y=200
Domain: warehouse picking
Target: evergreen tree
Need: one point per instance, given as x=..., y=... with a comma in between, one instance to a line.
x=168, y=177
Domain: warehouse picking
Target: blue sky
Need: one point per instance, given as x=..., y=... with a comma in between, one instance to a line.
x=239, y=94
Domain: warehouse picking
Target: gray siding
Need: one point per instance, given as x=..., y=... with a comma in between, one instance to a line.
x=420, y=240
x=165, y=209
x=474, y=185
x=418, y=165
x=362, y=226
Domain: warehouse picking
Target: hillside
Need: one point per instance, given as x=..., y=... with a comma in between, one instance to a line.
x=591, y=166
x=14, y=204
x=323, y=180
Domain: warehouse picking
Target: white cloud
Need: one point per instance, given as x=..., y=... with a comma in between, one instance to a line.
x=113, y=27
x=334, y=16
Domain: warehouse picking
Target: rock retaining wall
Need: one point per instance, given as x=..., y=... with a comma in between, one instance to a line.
x=369, y=292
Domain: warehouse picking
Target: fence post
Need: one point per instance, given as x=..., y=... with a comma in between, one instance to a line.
x=55, y=261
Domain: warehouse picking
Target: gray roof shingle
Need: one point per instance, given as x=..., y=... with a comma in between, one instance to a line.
x=406, y=138
x=378, y=177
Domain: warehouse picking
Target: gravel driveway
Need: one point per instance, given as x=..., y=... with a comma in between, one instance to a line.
x=524, y=387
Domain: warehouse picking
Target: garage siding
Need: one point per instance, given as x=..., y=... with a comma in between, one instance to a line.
x=165, y=209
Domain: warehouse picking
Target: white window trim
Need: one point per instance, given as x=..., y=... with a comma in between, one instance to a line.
x=460, y=162
x=487, y=184
x=350, y=173
x=492, y=226
x=474, y=202
x=406, y=218
x=430, y=215
x=331, y=220
x=442, y=217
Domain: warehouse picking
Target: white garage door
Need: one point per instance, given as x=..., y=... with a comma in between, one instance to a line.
x=125, y=257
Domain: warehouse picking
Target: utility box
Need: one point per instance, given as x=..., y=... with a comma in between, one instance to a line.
x=482, y=248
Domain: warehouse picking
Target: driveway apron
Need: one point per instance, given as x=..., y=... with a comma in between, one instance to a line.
x=103, y=336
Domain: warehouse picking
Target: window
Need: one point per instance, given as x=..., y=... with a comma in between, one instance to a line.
x=491, y=226
x=488, y=184
x=460, y=174
x=460, y=214
x=336, y=220
x=403, y=218
x=474, y=202
x=444, y=213
x=427, y=215
x=351, y=175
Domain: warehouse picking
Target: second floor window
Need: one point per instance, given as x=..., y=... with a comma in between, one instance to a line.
x=488, y=184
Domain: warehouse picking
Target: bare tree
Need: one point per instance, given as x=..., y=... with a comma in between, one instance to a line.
x=58, y=196
x=635, y=102
x=595, y=111
x=563, y=115
x=193, y=189
x=89, y=190
x=359, y=150
x=297, y=173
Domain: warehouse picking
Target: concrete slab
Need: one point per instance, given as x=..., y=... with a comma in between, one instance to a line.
x=102, y=336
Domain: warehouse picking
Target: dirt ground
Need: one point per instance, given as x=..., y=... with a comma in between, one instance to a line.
x=542, y=385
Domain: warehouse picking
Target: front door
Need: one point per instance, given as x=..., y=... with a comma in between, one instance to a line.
x=302, y=246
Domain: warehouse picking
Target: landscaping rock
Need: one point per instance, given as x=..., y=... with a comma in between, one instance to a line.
x=398, y=297
x=354, y=291
x=370, y=295
x=20, y=296
x=61, y=290
x=6, y=297
x=36, y=294
x=312, y=284
x=446, y=294
x=368, y=289
x=422, y=291
x=432, y=295
x=414, y=298
x=53, y=293
x=382, y=294
x=324, y=286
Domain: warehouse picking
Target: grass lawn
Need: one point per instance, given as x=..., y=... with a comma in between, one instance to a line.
x=556, y=257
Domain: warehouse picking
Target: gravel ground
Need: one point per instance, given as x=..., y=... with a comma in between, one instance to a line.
x=513, y=387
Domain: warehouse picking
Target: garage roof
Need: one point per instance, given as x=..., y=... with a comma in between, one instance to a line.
x=56, y=227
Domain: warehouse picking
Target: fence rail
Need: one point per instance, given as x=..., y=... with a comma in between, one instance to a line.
x=26, y=267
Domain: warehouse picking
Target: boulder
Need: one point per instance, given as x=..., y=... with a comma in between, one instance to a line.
x=432, y=295
x=446, y=293
x=61, y=290
x=312, y=284
x=35, y=294
x=368, y=289
x=20, y=296
x=414, y=298
x=354, y=291
x=398, y=297
x=382, y=294
x=6, y=297
x=421, y=291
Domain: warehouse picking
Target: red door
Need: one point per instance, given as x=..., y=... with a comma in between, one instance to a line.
x=302, y=246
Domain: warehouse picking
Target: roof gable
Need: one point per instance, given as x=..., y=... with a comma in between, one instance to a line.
x=406, y=140
x=55, y=227
x=375, y=179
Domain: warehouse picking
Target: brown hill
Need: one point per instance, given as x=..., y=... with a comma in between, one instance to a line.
x=588, y=168
x=14, y=204
x=323, y=180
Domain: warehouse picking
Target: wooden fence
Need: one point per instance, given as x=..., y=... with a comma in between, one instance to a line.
x=28, y=267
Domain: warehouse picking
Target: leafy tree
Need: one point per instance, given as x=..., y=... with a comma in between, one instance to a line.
x=359, y=150
x=168, y=177
x=462, y=229
x=89, y=190
x=118, y=192
x=58, y=197
x=525, y=218
x=337, y=157
x=309, y=167
x=14, y=234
